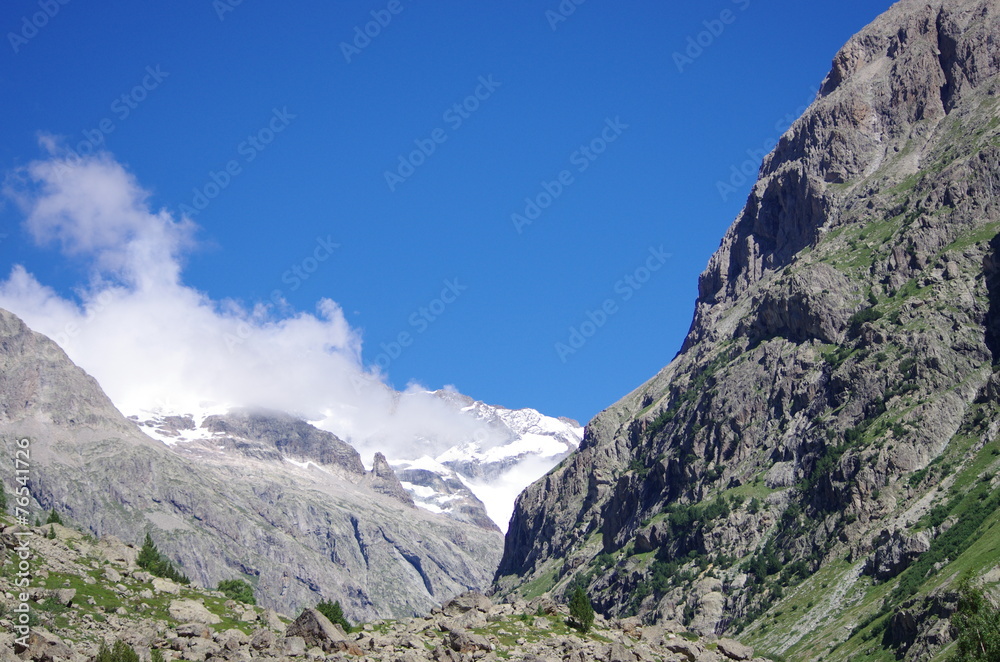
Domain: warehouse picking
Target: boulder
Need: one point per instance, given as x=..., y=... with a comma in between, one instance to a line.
x=734, y=650
x=161, y=585
x=467, y=642
x=43, y=646
x=192, y=611
x=315, y=629
x=468, y=601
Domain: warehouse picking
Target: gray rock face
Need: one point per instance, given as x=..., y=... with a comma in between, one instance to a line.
x=384, y=480
x=450, y=494
x=894, y=552
x=304, y=531
x=275, y=435
x=845, y=330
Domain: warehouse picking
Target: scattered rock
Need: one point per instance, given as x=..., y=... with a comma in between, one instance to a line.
x=189, y=611
x=735, y=650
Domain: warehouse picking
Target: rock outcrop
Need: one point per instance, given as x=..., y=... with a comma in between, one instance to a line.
x=838, y=380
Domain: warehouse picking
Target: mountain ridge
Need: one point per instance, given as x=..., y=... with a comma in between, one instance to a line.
x=841, y=353
x=299, y=532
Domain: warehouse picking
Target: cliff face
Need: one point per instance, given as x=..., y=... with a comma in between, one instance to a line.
x=833, y=410
x=257, y=495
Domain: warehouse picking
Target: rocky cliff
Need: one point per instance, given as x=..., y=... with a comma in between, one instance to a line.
x=255, y=495
x=817, y=464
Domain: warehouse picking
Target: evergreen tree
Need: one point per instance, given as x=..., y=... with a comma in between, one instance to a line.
x=581, y=610
x=51, y=535
x=335, y=613
x=156, y=563
x=53, y=517
x=3, y=498
x=148, y=555
x=978, y=623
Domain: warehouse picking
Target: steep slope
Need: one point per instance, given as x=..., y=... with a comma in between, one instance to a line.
x=817, y=465
x=258, y=495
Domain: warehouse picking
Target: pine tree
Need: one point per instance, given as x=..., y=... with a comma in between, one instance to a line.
x=148, y=555
x=152, y=560
x=3, y=498
x=581, y=610
x=334, y=612
x=51, y=535
x=53, y=517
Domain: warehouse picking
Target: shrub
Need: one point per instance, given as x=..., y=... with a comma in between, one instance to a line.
x=121, y=652
x=237, y=589
x=334, y=612
x=581, y=611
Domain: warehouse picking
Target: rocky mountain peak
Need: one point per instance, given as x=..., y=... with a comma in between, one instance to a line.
x=794, y=475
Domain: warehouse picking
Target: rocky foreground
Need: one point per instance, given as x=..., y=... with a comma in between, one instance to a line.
x=85, y=591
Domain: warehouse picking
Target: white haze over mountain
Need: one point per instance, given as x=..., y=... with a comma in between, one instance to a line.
x=155, y=343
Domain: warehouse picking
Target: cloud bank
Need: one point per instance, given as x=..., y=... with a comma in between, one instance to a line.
x=156, y=344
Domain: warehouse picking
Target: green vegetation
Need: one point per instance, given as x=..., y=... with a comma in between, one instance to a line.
x=335, y=613
x=971, y=511
x=581, y=611
x=53, y=517
x=121, y=652
x=237, y=589
x=978, y=624
x=152, y=560
x=861, y=317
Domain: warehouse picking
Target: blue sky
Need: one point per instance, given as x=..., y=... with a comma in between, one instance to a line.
x=276, y=139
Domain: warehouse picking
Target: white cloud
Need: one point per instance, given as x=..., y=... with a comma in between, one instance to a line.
x=154, y=342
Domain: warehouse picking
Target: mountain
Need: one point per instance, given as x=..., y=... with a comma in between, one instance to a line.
x=817, y=466
x=252, y=494
x=510, y=449
x=504, y=452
